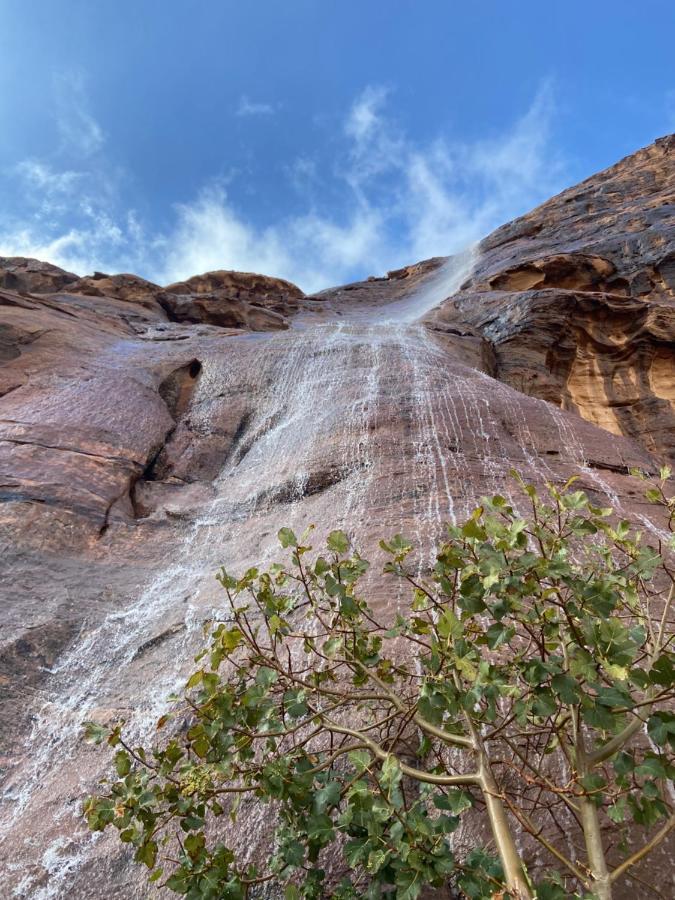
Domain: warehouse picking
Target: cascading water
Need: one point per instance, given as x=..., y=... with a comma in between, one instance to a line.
x=366, y=423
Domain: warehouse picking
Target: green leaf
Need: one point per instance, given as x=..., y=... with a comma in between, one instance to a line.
x=230, y=639
x=327, y=797
x=409, y=884
x=338, y=542
x=320, y=828
x=360, y=759
x=201, y=746
x=662, y=672
x=195, y=679
x=566, y=687
x=266, y=677
x=287, y=538
x=615, y=697
x=294, y=703
x=617, y=811
x=179, y=882
x=448, y=625
x=332, y=646
x=652, y=767
x=545, y=704
x=192, y=823
x=293, y=854
x=193, y=843
x=122, y=763
x=474, y=531
x=498, y=634
x=455, y=801
x=549, y=891
x=147, y=854
x=593, y=782
x=399, y=547
x=95, y=733
x=661, y=728
x=465, y=667
x=390, y=778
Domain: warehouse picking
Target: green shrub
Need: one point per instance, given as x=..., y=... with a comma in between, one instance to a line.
x=527, y=687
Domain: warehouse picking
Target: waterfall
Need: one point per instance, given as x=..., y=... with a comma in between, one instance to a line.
x=366, y=423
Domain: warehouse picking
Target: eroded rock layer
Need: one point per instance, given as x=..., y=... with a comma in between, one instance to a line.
x=149, y=434
x=577, y=299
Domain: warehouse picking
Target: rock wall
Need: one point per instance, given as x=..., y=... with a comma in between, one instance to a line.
x=578, y=299
x=149, y=434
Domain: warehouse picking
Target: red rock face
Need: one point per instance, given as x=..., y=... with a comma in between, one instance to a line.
x=20, y=274
x=149, y=434
x=578, y=299
x=237, y=299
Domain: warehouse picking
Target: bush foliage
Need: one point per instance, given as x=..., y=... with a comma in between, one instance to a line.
x=508, y=734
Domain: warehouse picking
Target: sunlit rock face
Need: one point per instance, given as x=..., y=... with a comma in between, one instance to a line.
x=578, y=299
x=149, y=434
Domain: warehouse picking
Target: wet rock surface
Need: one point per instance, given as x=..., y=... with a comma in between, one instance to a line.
x=149, y=434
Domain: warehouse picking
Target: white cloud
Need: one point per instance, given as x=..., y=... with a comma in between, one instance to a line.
x=364, y=116
x=42, y=176
x=249, y=108
x=79, y=130
x=102, y=244
x=51, y=191
x=392, y=202
x=407, y=202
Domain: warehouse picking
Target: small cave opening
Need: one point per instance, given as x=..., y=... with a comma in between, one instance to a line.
x=176, y=389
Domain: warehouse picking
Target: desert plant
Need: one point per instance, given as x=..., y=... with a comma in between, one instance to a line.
x=523, y=695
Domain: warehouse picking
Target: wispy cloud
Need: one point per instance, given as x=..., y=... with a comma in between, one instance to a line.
x=79, y=130
x=302, y=173
x=384, y=200
x=43, y=176
x=404, y=202
x=49, y=189
x=364, y=118
x=247, y=107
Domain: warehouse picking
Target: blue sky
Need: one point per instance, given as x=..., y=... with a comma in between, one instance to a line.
x=316, y=140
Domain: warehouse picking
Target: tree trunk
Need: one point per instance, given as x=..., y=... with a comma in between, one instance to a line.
x=516, y=880
x=602, y=886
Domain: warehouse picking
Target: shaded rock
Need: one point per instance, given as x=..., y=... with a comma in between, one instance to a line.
x=233, y=299
x=573, y=271
x=214, y=309
x=122, y=287
x=18, y=273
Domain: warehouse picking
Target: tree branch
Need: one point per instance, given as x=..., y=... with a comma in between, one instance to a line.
x=615, y=744
x=528, y=825
x=636, y=857
x=473, y=778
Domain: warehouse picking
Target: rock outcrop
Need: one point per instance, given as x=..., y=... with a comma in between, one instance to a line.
x=578, y=299
x=237, y=299
x=20, y=274
x=150, y=433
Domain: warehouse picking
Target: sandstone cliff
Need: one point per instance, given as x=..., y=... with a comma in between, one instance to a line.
x=148, y=434
x=578, y=299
